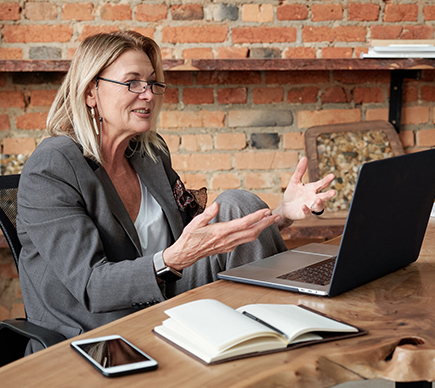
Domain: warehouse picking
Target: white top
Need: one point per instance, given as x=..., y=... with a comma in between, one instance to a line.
x=151, y=224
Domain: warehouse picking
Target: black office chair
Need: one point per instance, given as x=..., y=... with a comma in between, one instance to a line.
x=16, y=333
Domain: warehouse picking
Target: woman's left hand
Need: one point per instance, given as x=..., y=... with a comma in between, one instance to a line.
x=301, y=199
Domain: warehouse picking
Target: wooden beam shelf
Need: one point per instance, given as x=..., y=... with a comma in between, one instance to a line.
x=247, y=64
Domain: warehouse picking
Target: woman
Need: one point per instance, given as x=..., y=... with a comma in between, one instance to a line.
x=105, y=223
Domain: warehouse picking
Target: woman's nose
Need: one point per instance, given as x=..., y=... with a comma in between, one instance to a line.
x=146, y=94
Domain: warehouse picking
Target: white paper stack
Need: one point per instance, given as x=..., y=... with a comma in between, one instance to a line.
x=401, y=49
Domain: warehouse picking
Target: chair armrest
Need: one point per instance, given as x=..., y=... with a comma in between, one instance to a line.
x=30, y=330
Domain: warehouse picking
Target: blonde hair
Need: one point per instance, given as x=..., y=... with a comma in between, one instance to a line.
x=70, y=116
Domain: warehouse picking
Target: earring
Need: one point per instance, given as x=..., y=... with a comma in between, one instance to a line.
x=94, y=120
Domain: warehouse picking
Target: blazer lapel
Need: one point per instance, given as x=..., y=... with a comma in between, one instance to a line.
x=154, y=176
x=117, y=207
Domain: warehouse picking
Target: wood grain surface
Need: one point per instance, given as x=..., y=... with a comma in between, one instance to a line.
x=397, y=309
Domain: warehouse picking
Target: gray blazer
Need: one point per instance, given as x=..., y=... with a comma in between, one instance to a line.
x=81, y=264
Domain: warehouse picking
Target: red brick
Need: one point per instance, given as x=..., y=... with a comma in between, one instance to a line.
x=10, y=11
x=337, y=52
x=300, y=52
x=335, y=94
x=232, y=96
x=359, y=50
x=198, y=52
x=426, y=138
x=230, y=141
x=415, y=115
x=307, y=119
x=303, y=95
x=78, y=11
x=171, y=96
x=400, y=12
x=429, y=12
x=37, y=33
x=32, y=121
x=151, y=12
x=265, y=160
x=377, y=114
x=167, y=53
x=317, y=34
x=12, y=99
x=360, y=76
x=115, y=12
x=292, y=12
x=294, y=140
x=256, y=180
x=188, y=119
x=19, y=145
x=385, y=32
x=5, y=125
x=350, y=33
x=91, y=30
x=8, y=271
x=5, y=313
x=264, y=34
x=202, y=142
x=410, y=93
x=2, y=79
x=225, y=182
x=40, y=11
x=198, y=96
x=194, y=162
x=207, y=34
x=407, y=138
x=260, y=13
x=187, y=12
x=268, y=95
x=363, y=12
x=228, y=77
x=44, y=97
x=232, y=52
x=399, y=32
x=417, y=32
x=297, y=77
x=367, y=95
x=149, y=32
x=11, y=53
x=322, y=12
x=194, y=181
x=428, y=93
x=173, y=142
x=179, y=78
x=71, y=52
x=272, y=200
x=18, y=310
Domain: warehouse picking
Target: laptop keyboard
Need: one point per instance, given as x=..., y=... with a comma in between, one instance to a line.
x=319, y=273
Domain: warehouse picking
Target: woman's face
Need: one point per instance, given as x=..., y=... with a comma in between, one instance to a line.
x=126, y=114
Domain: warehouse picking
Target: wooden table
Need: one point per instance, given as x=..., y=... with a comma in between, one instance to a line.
x=398, y=309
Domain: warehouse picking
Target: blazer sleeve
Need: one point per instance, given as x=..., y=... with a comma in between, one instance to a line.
x=61, y=221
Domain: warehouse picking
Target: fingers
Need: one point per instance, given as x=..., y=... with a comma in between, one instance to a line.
x=205, y=217
x=301, y=168
x=324, y=182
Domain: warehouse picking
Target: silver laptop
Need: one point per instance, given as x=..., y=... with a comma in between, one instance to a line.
x=384, y=230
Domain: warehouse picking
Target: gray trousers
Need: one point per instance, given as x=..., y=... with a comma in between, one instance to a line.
x=233, y=204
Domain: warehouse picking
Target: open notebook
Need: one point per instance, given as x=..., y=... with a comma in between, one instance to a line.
x=384, y=230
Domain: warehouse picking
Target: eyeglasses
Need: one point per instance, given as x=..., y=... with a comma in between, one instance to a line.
x=139, y=87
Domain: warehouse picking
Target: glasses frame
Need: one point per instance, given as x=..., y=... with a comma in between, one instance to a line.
x=147, y=83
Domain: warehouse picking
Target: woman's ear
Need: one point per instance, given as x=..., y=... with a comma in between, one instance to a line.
x=91, y=95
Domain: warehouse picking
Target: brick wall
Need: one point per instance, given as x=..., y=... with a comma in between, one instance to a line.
x=236, y=29
x=226, y=129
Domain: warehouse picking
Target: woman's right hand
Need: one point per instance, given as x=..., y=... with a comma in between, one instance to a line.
x=201, y=239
